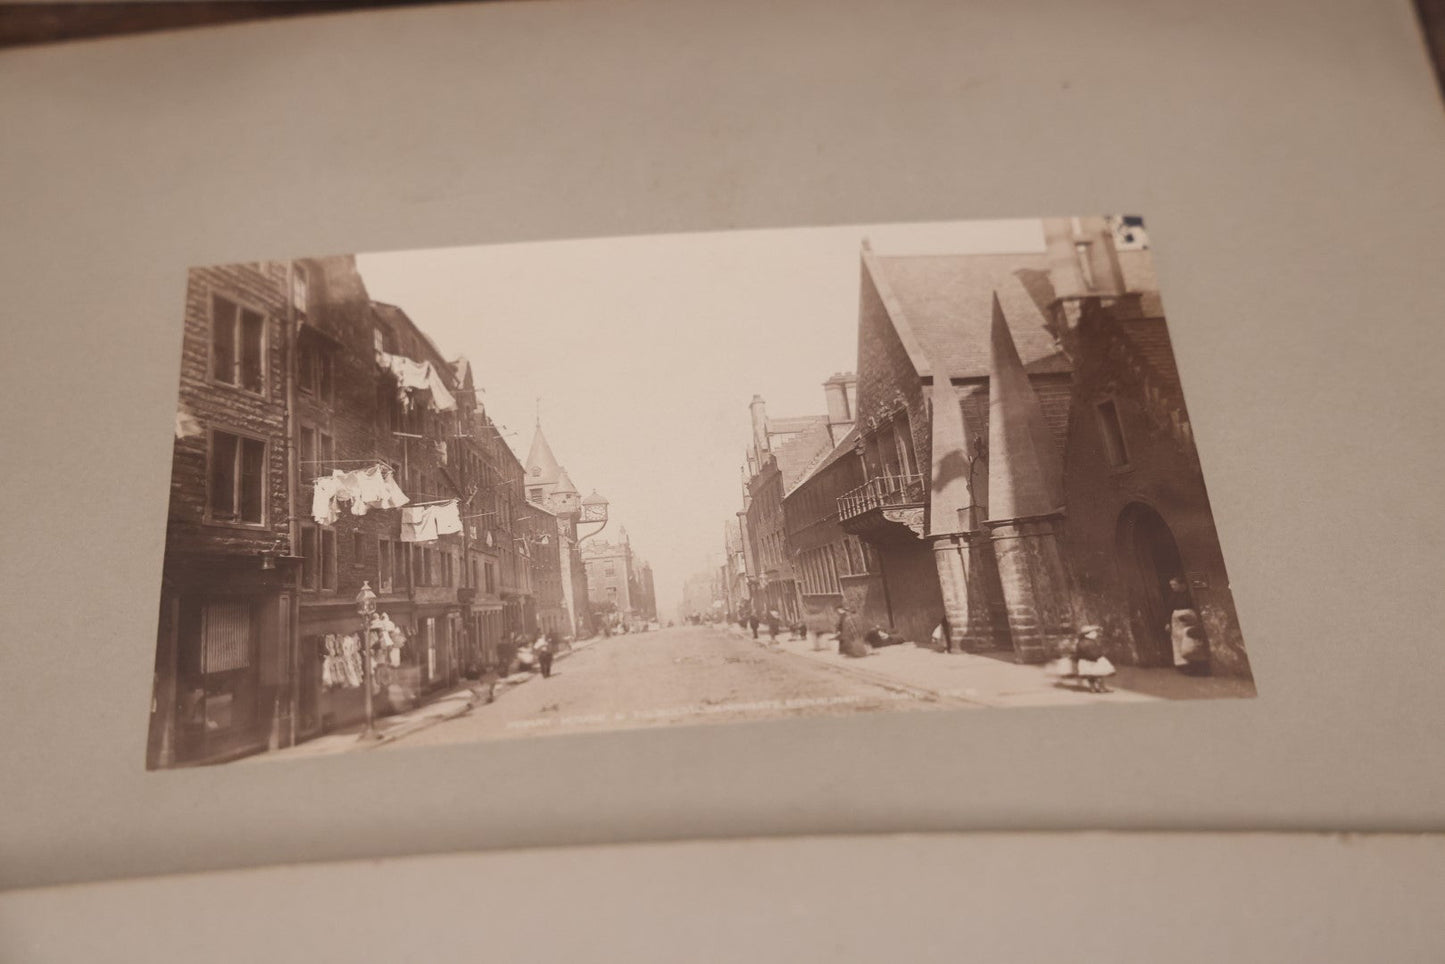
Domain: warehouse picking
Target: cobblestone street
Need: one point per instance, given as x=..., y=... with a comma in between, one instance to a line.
x=688, y=674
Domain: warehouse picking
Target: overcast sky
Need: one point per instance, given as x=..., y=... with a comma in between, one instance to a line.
x=645, y=351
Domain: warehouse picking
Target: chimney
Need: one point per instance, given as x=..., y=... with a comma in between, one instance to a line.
x=840, y=403
x=1082, y=259
x=759, y=410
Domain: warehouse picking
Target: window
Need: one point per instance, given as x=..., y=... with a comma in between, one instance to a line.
x=318, y=558
x=238, y=345
x=318, y=453
x=1113, y=432
x=385, y=566
x=237, y=479
x=299, y=286
x=310, y=555
x=308, y=453
x=358, y=548
x=225, y=637
x=328, y=560
x=491, y=573
x=314, y=372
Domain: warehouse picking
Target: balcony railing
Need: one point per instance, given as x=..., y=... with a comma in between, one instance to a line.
x=885, y=491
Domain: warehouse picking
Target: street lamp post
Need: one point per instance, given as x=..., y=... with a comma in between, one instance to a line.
x=366, y=606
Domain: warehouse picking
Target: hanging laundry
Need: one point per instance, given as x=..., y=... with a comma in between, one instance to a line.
x=364, y=489
x=441, y=399
x=394, y=497
x=418, y=524
x=370, y=491
x=351, y=660
x=448, y=519
x=442, y=451
x=414, y=376
x=323, y=500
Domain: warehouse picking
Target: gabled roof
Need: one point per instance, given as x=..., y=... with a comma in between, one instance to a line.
x=942, y=308
x=542, y=460
x=594, y=499
x=798, y=455
x=844, y=447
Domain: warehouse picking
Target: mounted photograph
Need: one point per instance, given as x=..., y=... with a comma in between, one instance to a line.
x=510, y=491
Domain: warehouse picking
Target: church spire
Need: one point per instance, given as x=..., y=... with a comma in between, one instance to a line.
x=1025, y=475
x=542, y=468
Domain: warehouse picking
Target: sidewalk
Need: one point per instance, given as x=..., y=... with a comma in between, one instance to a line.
x=447, y=706
x=994, y=679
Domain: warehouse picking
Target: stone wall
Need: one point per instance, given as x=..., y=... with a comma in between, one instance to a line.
x=1163, y=479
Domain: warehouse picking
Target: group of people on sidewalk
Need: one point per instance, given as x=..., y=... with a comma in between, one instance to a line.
x=1079, y=659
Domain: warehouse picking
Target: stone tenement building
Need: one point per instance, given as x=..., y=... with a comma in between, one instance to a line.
x=281, y=384
x=549, y=486
x=228, y=591
x=1026, y=455
x=783, y=452
x=612, y=579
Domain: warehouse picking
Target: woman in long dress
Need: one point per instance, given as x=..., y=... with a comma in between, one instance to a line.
x=1186, y=631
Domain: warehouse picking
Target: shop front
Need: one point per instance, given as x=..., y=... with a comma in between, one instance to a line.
x=222, y=658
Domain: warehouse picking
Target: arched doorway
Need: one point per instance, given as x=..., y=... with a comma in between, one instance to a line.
x=1148, y=557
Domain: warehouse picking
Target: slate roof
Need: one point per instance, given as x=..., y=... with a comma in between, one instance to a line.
x=942, y=306
x=564, y=484
x=844, y=447
x=797, y=457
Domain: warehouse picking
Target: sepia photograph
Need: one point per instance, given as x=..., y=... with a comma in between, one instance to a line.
x=509, y=491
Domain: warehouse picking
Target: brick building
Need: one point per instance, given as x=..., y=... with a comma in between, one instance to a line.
x=1025, y=450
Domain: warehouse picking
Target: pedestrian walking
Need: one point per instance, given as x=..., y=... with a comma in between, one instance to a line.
x=1082, y=660
x=543, y=649
x=753, y=623
x=1093, y=666
x=774, y=622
